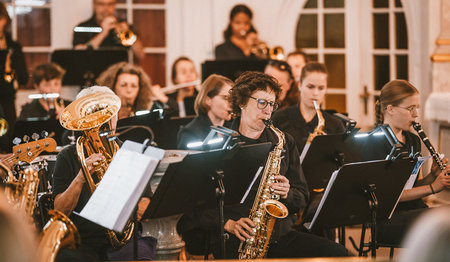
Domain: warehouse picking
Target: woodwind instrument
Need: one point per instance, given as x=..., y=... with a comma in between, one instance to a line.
x=172, y=89
x=428, y=145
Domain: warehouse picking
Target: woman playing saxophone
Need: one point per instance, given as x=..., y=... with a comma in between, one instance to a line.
x=253, y=99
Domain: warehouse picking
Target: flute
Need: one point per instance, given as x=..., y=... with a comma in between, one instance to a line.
x=171, y=89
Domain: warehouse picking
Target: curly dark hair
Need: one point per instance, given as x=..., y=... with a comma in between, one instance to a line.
x=246, y=84
x=236, y=10
x=109, y=78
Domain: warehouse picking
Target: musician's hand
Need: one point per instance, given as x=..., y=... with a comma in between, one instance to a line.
x=93, y=161
x=108, y=23
x=122, y=27
x=158, y=94
x=442, y=181
x=242, y=228
x=142, y=206
x=435, y=170
x=281, y=187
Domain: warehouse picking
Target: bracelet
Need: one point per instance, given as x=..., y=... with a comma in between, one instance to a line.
x=432, y=190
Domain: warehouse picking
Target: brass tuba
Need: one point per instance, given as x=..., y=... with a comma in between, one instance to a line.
x=90, y=114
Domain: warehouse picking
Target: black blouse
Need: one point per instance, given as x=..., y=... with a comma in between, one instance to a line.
x=291, y=121
x=230, y=51
x=377, y=148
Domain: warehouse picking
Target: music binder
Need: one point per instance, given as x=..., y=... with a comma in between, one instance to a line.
x=115, y=198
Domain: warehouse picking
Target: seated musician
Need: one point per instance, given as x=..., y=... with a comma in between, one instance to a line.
x=212, y=108
x=253, y=99
x=301, y=119
x=398, y=107
x=47, y=79
x=297, y=59
x=132, y=85
x=181, y=102
x=103, y=17
x=283, y=74
x=71, y=193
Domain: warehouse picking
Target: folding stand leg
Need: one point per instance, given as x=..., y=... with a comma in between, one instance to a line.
x=373, y=205
x=220, y=193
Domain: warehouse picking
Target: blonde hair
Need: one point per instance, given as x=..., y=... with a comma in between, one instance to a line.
x=210, y=88
x=393, y=93
x=109, y=78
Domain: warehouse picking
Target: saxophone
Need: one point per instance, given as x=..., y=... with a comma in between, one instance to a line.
x=59, y=232
x=22, y=192
x=266, y=207
x=318, y=131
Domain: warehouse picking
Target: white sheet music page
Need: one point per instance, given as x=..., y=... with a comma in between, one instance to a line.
x=116, y=196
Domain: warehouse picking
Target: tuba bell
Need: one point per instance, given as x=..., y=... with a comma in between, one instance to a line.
x=91, y=114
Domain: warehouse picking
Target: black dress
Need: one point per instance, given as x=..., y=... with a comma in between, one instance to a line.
x=230, y=51
x=291, y=121
x=393, y=230
x=285, y=242
x=7, y=91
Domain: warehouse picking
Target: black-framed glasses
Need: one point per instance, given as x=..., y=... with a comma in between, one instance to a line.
x=262, y=103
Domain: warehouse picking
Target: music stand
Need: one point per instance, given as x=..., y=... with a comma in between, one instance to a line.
x=193, y=183
x=361, y=193
x=165, y=129
x=231, y=68
x=326, y=154
x=84, y=66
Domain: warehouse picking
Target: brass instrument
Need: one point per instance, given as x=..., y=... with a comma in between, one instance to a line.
x=428, y=145
x=127, y=38
x=276, y=53
x=58, y=232
x=3, y=126
x=90, y=114
x=266, y=207
x=263, y=51
x=318, y=131
x=22, y=192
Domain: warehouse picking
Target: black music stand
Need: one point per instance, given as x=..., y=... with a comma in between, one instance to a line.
x=328, y=153
x=193, y=183
x=361, y=193
x=84, y=66
x=231, y=68
x=165, y=129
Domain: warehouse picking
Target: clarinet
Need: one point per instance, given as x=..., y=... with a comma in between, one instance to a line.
x=428, y=145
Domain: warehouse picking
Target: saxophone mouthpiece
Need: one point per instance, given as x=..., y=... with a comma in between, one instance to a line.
x=316, y=106
x=267, y=122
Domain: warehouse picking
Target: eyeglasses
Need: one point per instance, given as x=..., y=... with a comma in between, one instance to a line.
x=262, y=103
x=411, y=109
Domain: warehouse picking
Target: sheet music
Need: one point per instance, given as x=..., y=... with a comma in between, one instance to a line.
x=305, y=150
x=412, y=178
x=324, y=197
x=127, y=176
x=251, y=184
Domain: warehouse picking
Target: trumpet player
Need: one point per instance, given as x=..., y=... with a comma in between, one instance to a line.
x=47, y=79
x=88, y=36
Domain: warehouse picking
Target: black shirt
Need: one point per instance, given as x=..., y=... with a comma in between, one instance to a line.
x=83, y=37
x=291, y=121
x=290, y=168
x=66, y=169
x=230, y=51
x=18, y=65
x=377, y=148
x=35, y=109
